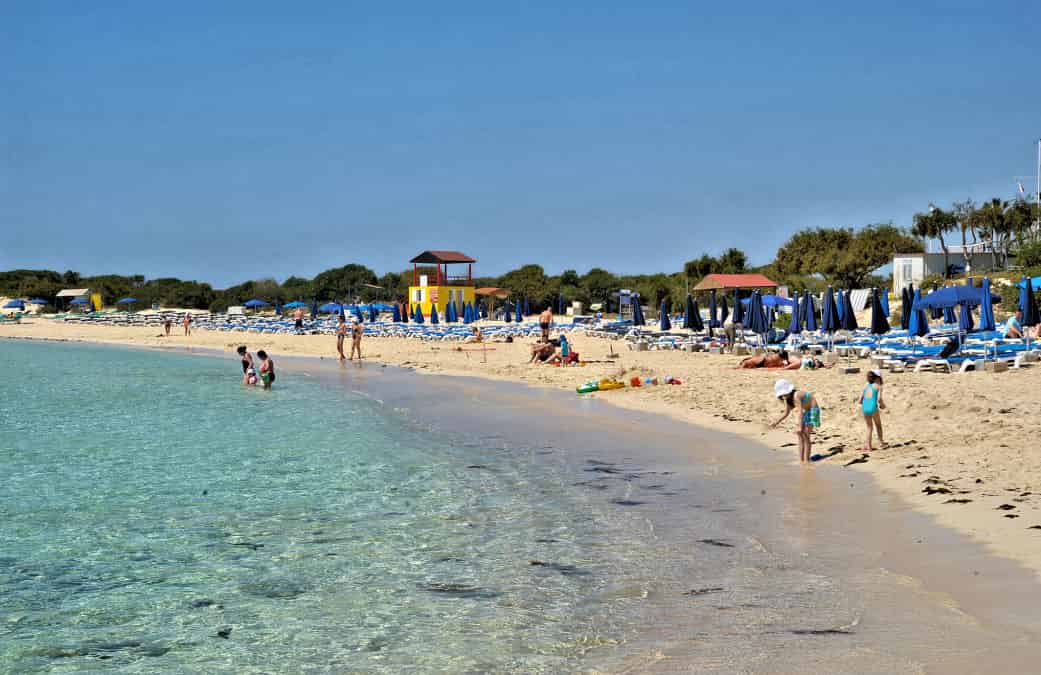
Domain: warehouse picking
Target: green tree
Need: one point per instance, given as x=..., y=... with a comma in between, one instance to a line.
x=598, y=285
x=343, y=283
x=844, y=256
x=733, y=261
x=934, y=224
x=531, y=282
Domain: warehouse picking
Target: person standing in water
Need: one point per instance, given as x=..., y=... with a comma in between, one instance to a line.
x=341, y=332
x=249, y=374
x=809, y=420
x=356, y=332
x=187, y=323
x=871, y=405
x=267, y=369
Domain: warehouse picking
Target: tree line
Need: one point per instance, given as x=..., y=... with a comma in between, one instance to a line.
x=1001, y=226
x=810, y=259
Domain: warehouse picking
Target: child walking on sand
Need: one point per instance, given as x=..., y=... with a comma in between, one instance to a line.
x=871, y=405
x=809, y=420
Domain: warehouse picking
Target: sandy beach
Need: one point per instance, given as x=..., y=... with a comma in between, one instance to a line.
x=961, y=447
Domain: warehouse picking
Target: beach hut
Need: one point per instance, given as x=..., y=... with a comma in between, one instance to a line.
x=441, y=287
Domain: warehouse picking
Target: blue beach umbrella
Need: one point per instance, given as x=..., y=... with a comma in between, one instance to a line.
x=372, y=313
x=688, y=313
x=935, y=313
x=965, y=322
x=830, y=320
x=755, y=318
x=527, y=307
x=905, y=307
x=809, y=312
x=467, y=314
x=314, y=309
x=724, y=311
x=417, y=314
x=739, y=315
x=663, y=317
x=949, y=316
x=1028, y=303
x=278, y=308
x=695, y=317
x=294, y=304
x=560, y=305
x=918, y=323
x=79, y=301
x=434, y=320
x=126, y=301
x=518, y=308
x=840, y=306
x=879, y=323
x=849, y=319
x=713, y=317
x=396, y=313
x=256, y=303
x=358, y=314
x=987, y=322
x=883, y=297
x=638, y=318
x=14, y=304
x=795, y=325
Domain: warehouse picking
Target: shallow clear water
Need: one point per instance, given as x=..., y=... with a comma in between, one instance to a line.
x=156, y=516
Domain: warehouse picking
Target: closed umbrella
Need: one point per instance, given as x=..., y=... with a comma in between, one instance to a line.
x=663, y=317
x=724, y=311
x=314, y=309
x=713, y=317
x=517, y=315
x=372, y=313
x=434, y=318
x=1028, y=303
x=739, y=314
x=560, y=305
x=695, y=317
x=417, y=314
x=935, y=313
x=879, y=323
x=987, y=322
x=949, y=317
x=396, y=313
x=688, y=313
x=883, y=297
x=840, y=306
x=965, y=321
x=795, y=325
x=849, y=319
x=810, y=312
x=527, y=307
x=830, y=320
x=905, y=308
x=918, y=324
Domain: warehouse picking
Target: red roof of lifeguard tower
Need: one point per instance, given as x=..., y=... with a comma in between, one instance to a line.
x=441, y=257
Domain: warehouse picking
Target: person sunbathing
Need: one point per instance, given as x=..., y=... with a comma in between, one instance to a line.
x=769, y=360
x=476, y=337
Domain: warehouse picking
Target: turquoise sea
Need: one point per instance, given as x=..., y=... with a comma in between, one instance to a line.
x=159, y=517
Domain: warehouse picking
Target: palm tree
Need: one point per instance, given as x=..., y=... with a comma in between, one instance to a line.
x=934, y=224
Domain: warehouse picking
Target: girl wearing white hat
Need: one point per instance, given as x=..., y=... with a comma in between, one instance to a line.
x=809, y=420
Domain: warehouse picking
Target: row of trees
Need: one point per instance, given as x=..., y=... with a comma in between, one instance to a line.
x=1001, y=226
x=810, y=259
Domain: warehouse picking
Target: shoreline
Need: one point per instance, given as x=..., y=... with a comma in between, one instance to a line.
x=926, y=466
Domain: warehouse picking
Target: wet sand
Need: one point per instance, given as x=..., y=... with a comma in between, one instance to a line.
x=962, y=447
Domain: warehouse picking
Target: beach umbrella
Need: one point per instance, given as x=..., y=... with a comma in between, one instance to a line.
x=256, y=303
x=560, y=305
x=987, y=322
x=883, y=297
x=357, y=313
x=434, y=320
x=638, y=318
x=14, y=304
x=713, y=316
x=695, y=317
x=830, y=320
x=918, y=323
x=518, y=308
x=1028, y=303
x=849, y=319
x=417, y=314
x=396, y=313
x=949, y=316
x=795, y=325
x=314, y=309
x=879, y=324
x=965, y=322
x=840, y=306
x=467, y=314
x=905, y=308
x=663, y=317
x=372, y=313
x=294, y=304
x=688, y=313
x=126, y=301
x=527, y=307
x=739, y=315
x=810, y=312
x=755, y=317
x=935, y=313
x=278, y=308
x=79, y=301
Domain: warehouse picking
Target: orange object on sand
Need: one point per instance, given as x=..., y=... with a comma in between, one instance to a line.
x=635, y=382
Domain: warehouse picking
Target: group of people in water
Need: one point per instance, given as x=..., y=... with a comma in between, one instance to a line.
x=356, y=330
x=251, y=374
x=870, y=402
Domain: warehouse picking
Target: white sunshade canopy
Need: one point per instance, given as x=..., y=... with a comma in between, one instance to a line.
x=73, y=292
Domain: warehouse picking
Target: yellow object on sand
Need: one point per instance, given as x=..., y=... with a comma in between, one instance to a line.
x=609, y=383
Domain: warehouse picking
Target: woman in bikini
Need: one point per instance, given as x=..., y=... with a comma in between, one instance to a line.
x=809, y=420
x=249, y=375
x=267, y=369
x=341, y=332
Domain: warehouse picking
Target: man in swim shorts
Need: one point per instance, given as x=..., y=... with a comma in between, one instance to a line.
x=545, y=320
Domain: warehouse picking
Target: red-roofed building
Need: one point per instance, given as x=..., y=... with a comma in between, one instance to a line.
x=727, y=282
x=426, y=292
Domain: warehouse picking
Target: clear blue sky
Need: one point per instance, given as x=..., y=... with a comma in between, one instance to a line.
x=227, y=141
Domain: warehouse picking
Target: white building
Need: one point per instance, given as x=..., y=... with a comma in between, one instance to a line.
x=912, y=268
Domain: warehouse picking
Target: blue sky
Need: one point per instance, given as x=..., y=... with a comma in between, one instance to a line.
x=268, y=139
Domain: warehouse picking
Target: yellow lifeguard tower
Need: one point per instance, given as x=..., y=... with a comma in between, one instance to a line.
x=439, y=289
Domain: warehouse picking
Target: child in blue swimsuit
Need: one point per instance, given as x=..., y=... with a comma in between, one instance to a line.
x=870, y=405
x=809, y=419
